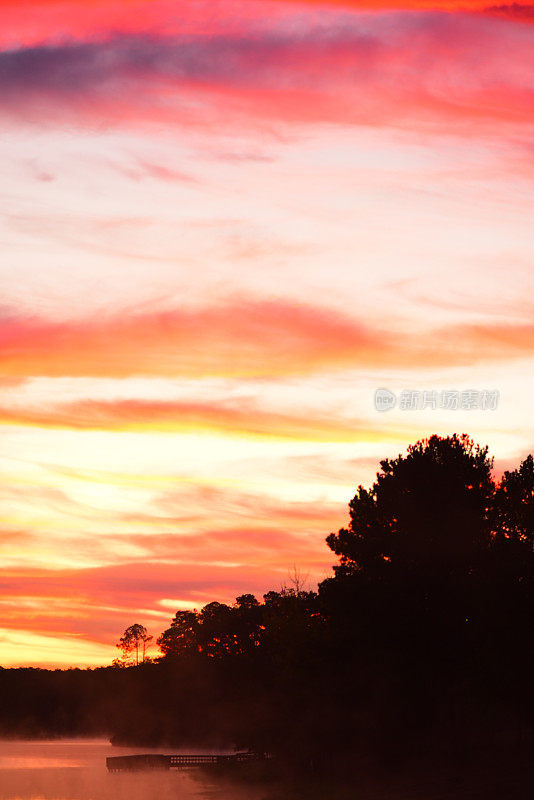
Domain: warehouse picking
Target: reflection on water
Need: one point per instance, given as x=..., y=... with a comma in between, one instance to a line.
x=76, y=770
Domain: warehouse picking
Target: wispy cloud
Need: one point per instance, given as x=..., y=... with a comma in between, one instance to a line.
x=242, y=419
x=246, y=339
x=95, y=605
x=243, y=339
x=362, y=69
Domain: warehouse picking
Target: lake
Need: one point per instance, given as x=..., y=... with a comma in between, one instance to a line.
x=76, y=770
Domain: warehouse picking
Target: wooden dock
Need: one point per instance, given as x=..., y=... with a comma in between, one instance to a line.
x=151, y=761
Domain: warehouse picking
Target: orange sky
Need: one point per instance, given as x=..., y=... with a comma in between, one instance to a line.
x=225, y=225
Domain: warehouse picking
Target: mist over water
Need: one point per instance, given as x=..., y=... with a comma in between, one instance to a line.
x=76, y=770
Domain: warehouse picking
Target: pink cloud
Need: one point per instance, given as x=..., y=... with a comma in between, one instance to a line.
x=40, y=21
x=243, y=339
x=523, y=12
x=239, y=418
x=397, y=68
x=97, y=604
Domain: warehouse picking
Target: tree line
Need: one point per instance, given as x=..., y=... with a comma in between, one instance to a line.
x=419, y=644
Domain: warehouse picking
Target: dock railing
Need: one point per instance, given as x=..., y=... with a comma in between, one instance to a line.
x=150, y=761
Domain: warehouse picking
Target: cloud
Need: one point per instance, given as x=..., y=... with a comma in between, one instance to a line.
x=271, y=547
x=15, y=537
x=242, y=339
x=231, y=504
x=356, y=68
x=241, y=418
x=518, y=11
x=494, y=340
x=97, y=604
x=53, y=21
x=254, y=339
x=148, y=169
x=39, y=21
x=253, y=545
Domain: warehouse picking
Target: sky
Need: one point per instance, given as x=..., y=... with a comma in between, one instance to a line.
x=224, y=225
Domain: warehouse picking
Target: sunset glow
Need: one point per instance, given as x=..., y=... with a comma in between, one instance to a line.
x=225, y=225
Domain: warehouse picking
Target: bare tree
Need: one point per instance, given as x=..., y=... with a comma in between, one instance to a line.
x=297, y=581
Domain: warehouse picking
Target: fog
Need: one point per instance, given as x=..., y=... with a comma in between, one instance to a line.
x=76, y=770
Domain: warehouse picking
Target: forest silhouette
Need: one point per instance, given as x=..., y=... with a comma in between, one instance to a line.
x=419, y=645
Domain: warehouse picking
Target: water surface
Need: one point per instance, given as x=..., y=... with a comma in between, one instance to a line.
x=76, y=770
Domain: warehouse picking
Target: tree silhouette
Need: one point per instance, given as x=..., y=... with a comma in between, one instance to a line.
x=134, y=640
x=217, y=630
x=514, y=504
x=427, y=510
x=183, y=635
x=249, y=625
